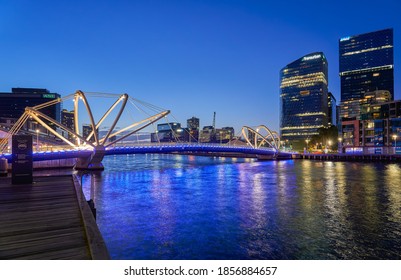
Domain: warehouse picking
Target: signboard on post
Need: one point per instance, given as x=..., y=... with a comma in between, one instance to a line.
x=22, y=167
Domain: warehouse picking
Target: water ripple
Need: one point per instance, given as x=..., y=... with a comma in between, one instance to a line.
x=185, y=207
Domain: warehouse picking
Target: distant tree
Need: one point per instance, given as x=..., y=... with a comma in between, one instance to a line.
x=325, y=135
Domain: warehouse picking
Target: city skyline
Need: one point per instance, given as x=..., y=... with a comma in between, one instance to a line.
x=194, y=58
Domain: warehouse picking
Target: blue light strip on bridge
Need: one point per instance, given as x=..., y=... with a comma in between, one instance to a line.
x=152, y=149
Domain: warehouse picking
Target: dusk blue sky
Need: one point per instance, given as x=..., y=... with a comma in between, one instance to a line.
x=192, y=57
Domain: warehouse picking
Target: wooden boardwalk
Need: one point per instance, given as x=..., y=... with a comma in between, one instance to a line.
x=46, y=220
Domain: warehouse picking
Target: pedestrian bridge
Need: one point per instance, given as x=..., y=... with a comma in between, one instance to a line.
x=89, y=149
x=166, y=148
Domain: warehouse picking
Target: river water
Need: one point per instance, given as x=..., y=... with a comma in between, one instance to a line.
x=186, y=207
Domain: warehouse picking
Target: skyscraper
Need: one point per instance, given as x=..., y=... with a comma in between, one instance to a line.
x=303, y=98
x=367, y=82
x=366, y=64
x=67, y=119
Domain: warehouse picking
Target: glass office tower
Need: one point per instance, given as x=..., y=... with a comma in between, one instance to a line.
x=303, y=98
x=366, y=64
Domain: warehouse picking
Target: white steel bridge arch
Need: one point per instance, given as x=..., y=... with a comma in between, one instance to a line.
x=98, y=146
x=272, y=139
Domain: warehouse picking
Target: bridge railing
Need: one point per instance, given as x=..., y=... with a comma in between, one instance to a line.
x=64, y=151
x=204, y=146
x=145, y=144
x=156, y=145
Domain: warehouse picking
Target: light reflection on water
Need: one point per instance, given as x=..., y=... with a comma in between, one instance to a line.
x=185, y=207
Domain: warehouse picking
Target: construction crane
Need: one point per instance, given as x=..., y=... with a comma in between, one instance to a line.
x=214, y=121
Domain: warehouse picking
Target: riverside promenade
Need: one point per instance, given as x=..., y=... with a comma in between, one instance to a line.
x=351, y=157
x=48, y=219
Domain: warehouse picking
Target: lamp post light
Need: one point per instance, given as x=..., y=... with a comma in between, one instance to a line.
x=307, y=144
x=395, y=142
x=37, y=140
x=340, y=144
x=329, y=146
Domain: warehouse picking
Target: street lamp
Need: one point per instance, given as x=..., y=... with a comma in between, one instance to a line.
x=395, y=142
x=37, y=140
x=329, y=144
x=307, y=142
x=340, y=144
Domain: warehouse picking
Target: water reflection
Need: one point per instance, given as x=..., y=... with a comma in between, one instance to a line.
x=393, y=187
x=185, y=207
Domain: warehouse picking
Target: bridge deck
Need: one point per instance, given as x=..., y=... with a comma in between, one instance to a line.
x=155, y=148
x=42, y=220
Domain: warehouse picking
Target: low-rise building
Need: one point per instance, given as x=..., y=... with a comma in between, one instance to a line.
x=373, y=125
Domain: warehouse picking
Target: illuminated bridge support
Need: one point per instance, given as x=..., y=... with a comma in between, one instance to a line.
x=92, y=162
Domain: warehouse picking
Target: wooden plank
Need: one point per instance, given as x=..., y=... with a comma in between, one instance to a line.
x=23, y=239
x=19, y=228
x=39, y=205
x=48, y=244
x=41, y=214
x=77, y=253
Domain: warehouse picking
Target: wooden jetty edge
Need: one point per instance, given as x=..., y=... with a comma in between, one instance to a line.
x=48, y=219
x=97, y=246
